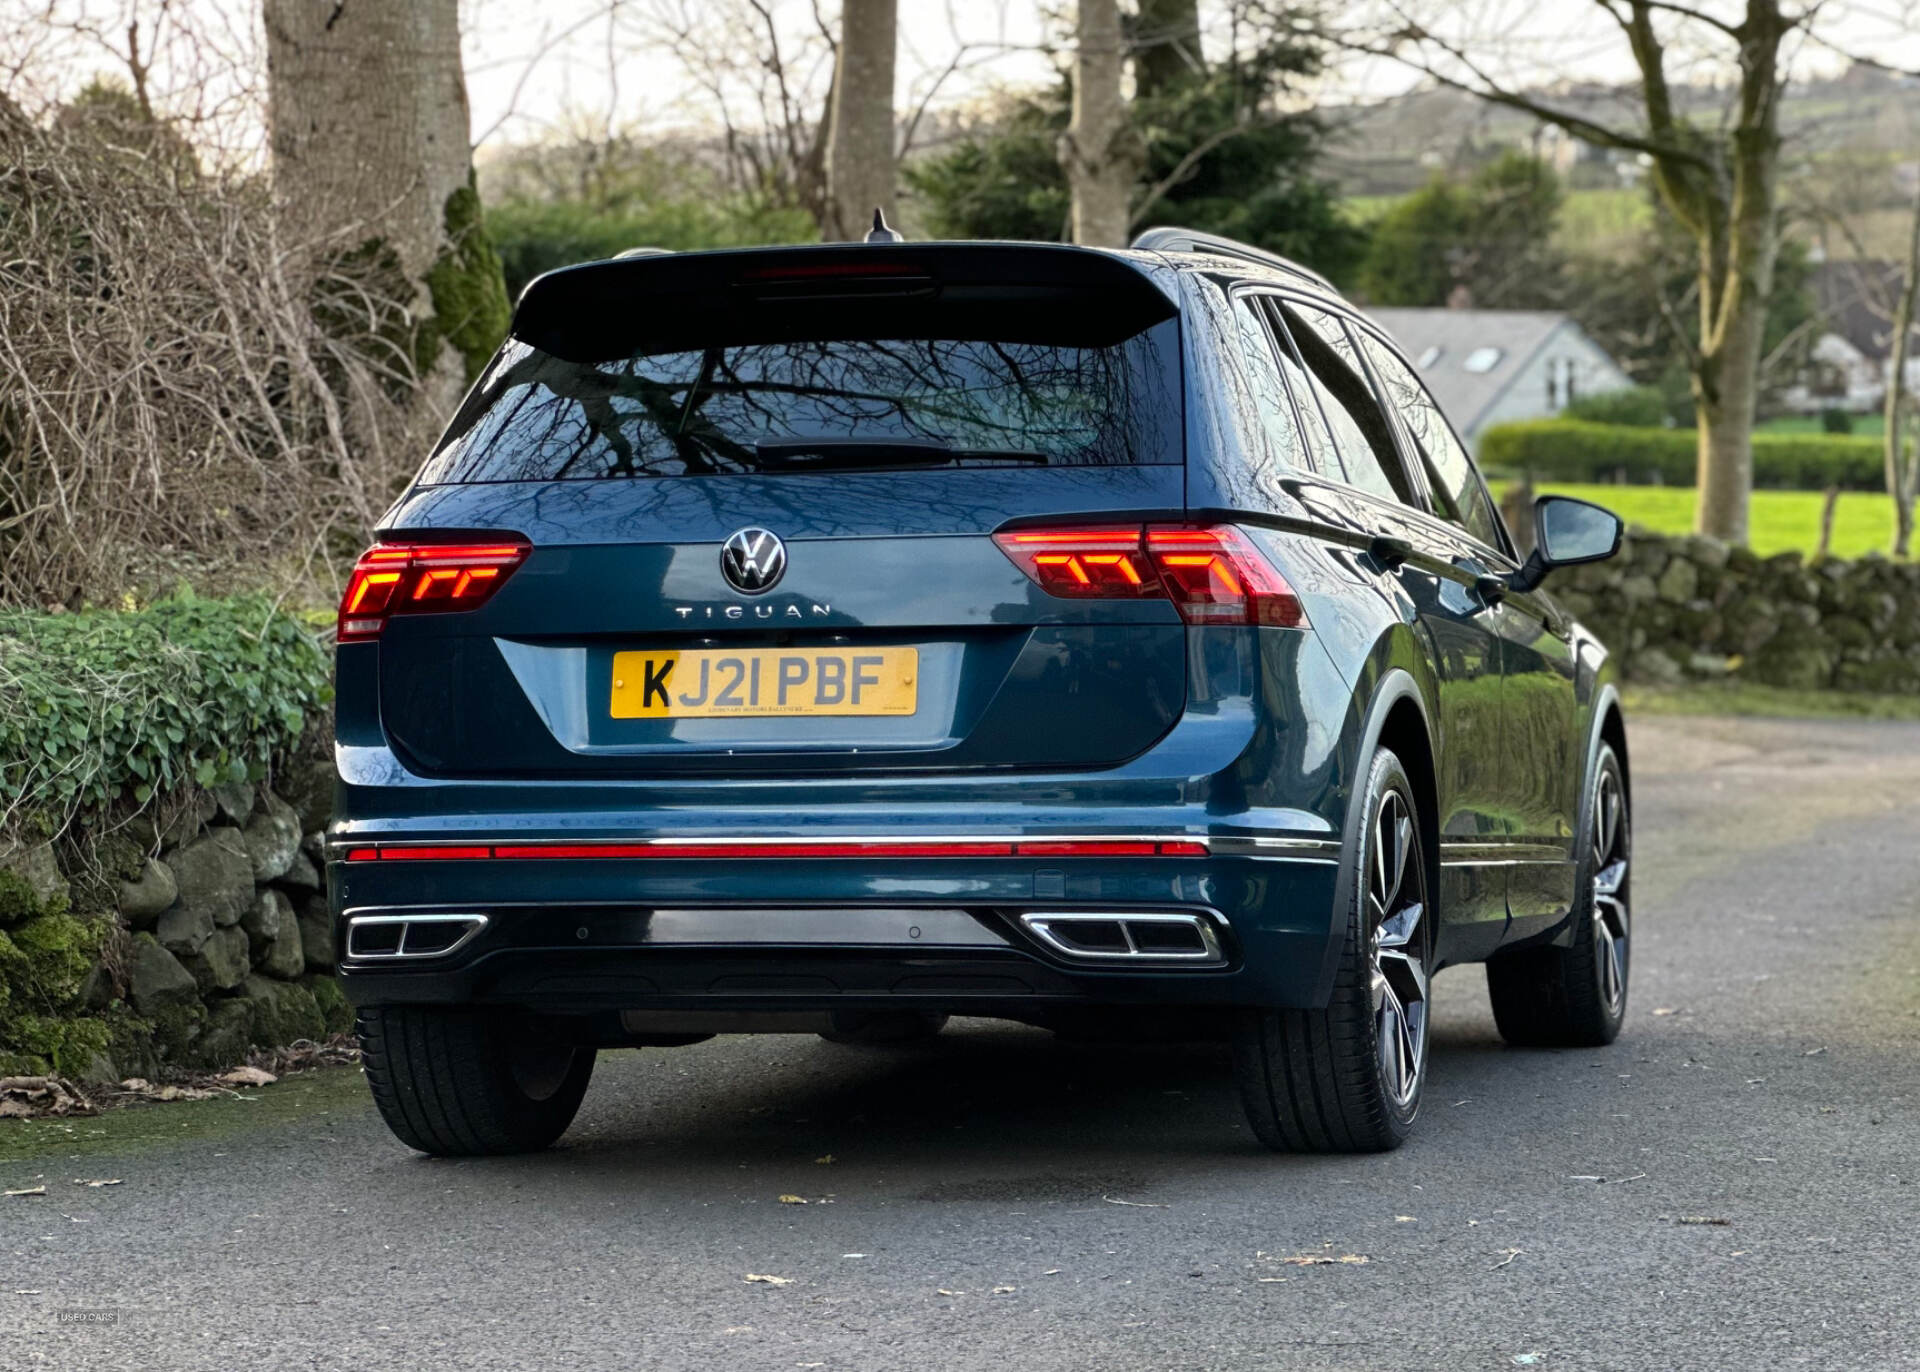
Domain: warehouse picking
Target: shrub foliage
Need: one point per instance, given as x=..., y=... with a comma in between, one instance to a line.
x=173, y=399
x=107, y=705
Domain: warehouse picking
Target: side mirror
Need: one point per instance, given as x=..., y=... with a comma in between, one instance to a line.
x=1567, y=532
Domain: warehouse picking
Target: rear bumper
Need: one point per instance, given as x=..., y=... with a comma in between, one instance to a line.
x=586, y=933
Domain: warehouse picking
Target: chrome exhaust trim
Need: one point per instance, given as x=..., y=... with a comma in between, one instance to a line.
x=1187, y=937
x=391, y=938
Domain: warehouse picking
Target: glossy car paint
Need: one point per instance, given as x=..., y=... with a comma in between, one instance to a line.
x=484, y=727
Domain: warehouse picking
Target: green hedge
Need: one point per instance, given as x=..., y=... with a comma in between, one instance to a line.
x=110, y=704
x=1574, y=450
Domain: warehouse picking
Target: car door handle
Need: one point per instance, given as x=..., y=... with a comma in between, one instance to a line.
x=1388, y=551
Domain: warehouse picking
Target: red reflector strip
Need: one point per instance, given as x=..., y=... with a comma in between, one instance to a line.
x=731, y=849
x=574, y=850
x=441, y=854
x=1183, y=849
x=1100, y=849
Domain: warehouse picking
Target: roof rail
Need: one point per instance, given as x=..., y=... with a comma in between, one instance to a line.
x=1190, y=240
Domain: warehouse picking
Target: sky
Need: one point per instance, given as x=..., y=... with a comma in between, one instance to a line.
x=540, y=68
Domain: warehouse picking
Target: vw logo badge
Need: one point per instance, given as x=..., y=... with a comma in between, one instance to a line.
x=752, y=561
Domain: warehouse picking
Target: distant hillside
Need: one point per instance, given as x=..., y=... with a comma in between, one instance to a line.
x=1393, y=146
x=1853, y=140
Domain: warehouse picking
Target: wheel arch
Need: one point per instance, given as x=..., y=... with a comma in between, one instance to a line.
x=1396, y=718
x=1613, y=731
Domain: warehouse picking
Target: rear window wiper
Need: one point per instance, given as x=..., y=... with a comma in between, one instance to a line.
x=882, y=452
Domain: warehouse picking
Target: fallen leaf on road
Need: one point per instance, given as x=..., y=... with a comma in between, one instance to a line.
x=1051, y=1272
x=1003, y=1290
x=1511, y=1254
x=1813, y=1052
x=28, y=1291
x=942, y=1291
x=1528, y=1359
x=28, y=1191
x=765, y=1280
x=824, y=1158
x=1405, y=1219
x=793, y=1200
x=1273, y=1280
x=1326, y=1260
x=1703, y=1219
x=1665, y=1010
x=96, y=1181
x=1142, y=1205
x=248, y=1076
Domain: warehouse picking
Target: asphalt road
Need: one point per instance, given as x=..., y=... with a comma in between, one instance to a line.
x=1002, y=1201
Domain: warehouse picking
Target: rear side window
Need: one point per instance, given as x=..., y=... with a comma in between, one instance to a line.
x=1270, y=396
x=1307, y=400
x=1347, y=399
x=1457, y=489
x=802, y=397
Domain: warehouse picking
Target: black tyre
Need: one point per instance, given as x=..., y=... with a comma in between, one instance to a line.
x=1348, y=1078
x=879, y=1027
x=460, y=1083
x=1576, y=996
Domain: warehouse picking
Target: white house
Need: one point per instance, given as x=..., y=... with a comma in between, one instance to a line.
x=1486, y=367
x=1849, y=364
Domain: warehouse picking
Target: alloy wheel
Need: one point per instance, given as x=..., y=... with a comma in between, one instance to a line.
x=1396, y=912
x=1611, y=921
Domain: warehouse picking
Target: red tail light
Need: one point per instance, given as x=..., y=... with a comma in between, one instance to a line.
x=1213, y=575
x=419, y=578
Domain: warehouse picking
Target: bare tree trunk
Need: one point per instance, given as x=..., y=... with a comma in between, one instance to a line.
x=1901, y=473
x=372, y=166
x=1095, y=150
x=1731, y=207
x=1725, y=392
x=1166, y=46
x=860, y=154
x=1720, y=182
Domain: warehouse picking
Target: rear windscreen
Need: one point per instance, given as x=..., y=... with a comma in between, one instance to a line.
x=787, y=402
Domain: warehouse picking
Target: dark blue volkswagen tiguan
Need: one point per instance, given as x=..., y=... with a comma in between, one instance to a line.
x=837, y=639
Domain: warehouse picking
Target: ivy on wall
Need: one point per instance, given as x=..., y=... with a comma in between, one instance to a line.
x=109, y=704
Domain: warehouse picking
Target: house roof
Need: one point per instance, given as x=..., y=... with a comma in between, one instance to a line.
x=1500, y=344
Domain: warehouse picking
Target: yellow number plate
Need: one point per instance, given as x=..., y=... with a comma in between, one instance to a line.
x=707, y=683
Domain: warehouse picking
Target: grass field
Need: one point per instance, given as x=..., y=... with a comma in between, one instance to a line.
x=1779, y=521
x=1601, y=222
x=1743, y=698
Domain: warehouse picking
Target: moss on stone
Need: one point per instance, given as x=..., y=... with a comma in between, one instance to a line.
x=174, y=1029
x=56, y=953
x=69, y=1044
x=282, y=1012
x=130, y=1042
x=17, y=898
x=336, y=1013
x=469, y=292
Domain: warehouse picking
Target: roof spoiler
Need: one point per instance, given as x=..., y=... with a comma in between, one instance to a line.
x=1190, y=240
x=653, y=301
